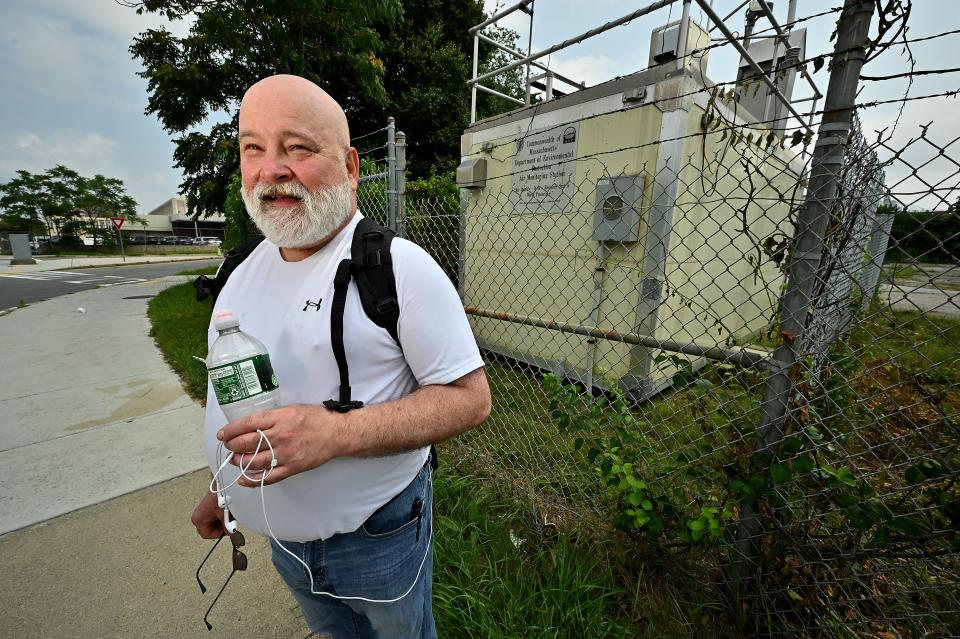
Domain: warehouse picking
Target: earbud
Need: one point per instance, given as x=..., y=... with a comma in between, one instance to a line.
x=223, y=500
x=229, y=524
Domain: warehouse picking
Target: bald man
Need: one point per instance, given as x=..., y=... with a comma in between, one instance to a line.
x=348, y=506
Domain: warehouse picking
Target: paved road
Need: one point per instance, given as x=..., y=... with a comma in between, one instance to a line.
x=933, y=289
x=43, y=285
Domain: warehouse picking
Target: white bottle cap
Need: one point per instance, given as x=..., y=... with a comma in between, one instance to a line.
x=225, y=319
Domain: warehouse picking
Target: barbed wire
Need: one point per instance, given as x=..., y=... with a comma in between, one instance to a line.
x=374, y=149
x=354, y=138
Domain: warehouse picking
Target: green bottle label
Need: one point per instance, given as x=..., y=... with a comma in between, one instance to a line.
x=246, y=378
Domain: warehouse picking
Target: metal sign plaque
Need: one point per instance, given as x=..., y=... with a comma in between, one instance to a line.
x=544, y=169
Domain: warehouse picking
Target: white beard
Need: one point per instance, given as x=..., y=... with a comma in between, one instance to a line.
x=314, y=219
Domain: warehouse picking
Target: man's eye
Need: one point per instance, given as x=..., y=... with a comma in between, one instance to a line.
x=251, y=147
x=298, y=147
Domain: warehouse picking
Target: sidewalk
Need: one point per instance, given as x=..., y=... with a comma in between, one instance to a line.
x=51, y=263
x=101, y=444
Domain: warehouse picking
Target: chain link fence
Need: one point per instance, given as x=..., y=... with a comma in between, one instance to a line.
x=731, y=344
x=382, y=175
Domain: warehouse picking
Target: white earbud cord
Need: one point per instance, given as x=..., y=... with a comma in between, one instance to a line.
x=214, y=488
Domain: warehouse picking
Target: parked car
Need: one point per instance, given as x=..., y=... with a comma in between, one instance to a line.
x=168, y=240
x=180, y=239
x=208, y=241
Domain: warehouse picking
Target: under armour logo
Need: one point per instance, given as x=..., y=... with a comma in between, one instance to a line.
x=315, y=305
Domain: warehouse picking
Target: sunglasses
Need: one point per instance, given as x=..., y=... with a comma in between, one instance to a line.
x=239, y=563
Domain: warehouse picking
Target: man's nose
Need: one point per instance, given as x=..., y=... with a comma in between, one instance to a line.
x=275, y=168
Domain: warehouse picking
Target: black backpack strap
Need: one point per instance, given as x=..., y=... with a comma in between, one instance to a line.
x=210, y=287
x=341, y=282
x=375, y=278
x=371, y=265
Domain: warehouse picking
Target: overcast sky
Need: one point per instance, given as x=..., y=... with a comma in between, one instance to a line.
x=70, y=94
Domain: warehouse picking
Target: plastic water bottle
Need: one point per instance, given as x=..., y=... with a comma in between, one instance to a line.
x=240, y=370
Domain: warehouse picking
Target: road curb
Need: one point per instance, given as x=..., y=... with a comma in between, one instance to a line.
x=72, y=263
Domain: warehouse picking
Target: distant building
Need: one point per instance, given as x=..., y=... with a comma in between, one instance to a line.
x=171, y=218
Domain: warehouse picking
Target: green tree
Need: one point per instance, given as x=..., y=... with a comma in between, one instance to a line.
x=427, y=60
x=60, y=201
x=232, y=45
x=408, y=58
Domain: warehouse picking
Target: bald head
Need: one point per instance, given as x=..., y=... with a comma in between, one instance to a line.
x=299, y=99
x=298, y=170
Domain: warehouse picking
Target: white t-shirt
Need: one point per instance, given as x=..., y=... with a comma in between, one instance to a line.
x=286, y=305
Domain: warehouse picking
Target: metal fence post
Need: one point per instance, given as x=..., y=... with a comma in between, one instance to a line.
x=391, y=174
x=879, y=241
x=852, y=32
x=400, y=182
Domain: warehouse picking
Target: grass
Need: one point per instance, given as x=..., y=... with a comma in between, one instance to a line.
x=898, y=397
x=894, y=271
x=179, y=326
x=140, y=250
x=206, y=270
x=496, y=576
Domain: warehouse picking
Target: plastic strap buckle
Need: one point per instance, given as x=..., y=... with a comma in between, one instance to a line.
x=342, y=407
x=388, y=306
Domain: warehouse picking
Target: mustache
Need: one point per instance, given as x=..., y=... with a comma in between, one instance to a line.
x=262, y=191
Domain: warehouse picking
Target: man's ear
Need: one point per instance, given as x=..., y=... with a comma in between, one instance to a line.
x=352, y=163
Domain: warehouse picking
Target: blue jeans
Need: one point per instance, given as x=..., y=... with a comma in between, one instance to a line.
x=377, y=561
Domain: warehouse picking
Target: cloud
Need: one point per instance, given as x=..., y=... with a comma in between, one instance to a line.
x=86, y=152
x=67, y=52
x=48, y=56
x=110, y=20
x=28, y=140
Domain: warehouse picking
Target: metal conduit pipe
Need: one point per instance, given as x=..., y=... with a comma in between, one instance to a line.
x=784, y=37
x=684, y=34
x=598, y=273
x=742, y=358
x=473, y=92
x=494, y=18
x=730, y=15
x=503, y=96
x=542, y=67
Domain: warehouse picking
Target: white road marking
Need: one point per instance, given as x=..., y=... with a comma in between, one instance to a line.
x=61, y=276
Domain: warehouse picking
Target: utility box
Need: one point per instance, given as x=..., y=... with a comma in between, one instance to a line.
x=665, y=41
x=613, y=209
x=20, y=245
x=616, y=216
x=472, y=174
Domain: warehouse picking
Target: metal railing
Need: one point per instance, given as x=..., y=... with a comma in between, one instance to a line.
x=531, y=59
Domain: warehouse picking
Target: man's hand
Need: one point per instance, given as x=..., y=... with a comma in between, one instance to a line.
x=208, y=518
x=303, y=437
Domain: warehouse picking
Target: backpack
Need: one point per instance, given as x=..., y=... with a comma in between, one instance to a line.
x=371, y=265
